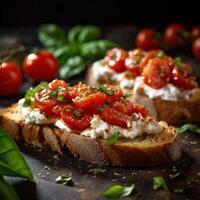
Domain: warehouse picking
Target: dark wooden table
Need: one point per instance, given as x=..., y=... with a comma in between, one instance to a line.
x=46, y=165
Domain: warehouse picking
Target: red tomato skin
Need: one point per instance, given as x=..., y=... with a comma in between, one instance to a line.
x=76, y=123
x=10, y=78
x=115, y=59
x=157, y=73
x=41, y=67
x=146, y=40
x=114, y=117
x=195, y=32
x=196, y=48
x=57, y=83
x=172, y=35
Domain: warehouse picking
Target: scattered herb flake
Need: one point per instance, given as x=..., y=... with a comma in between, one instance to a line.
x=159, y=182
x=54, y=93
x=188, y=127
x=179, y=190
x=113, y=139
x=61, y=98
x=179, y=62
x=103, y=88
x=77, y=113
x=97, y=170
x=63, y=179
x=127, y=95
x=118, y=191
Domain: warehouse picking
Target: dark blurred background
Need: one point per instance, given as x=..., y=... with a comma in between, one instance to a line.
x=102, y=12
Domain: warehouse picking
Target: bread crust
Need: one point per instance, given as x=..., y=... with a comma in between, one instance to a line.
x=122, y=153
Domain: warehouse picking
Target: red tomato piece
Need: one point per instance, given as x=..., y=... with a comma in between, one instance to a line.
x=115, y=59
x=10, y=78
x=195, y=32
x=125, y=107
x=196, y=48
x=175, y=35
x=75, y=118
x=114, y=117
x=148, y=39
x=57, y=84
x=157, y=73
x=42, y=66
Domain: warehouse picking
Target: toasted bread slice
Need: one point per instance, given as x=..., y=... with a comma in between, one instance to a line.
x=142, y=151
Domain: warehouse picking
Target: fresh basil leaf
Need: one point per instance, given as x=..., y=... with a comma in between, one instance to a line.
x=127, y=95
x=89, y=33
x=118, y=191
x=74, y=33
x=64, y=53
x=103, y=88
x=73, y=66
x=51, y=35
x=97, y=170
x=113, y=139
x=31, y=93
x=188, y=127
x=12, y=163
x=95, y=50
x=7, y=192
x=64, y=180
x=159, y=182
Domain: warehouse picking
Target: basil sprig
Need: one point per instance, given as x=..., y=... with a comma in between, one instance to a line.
x=188, y=127
x=76, y=49
x=118, y=191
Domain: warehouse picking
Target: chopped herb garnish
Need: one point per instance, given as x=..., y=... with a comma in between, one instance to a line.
x=54, y=93
x=61, y=98
x=113, y=139
x=64, y=180
x=127, y=95
x=179, y=190
x=31, y=93
x=97, y=170
x=159, y=182
x=103, y=88
x=101, y=108
x=160, y=54
x=179, y=62
x=188, y=127
x=77, y=113
x=118, y=191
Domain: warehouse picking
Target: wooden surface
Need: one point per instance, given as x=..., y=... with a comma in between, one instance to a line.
x=46, y=165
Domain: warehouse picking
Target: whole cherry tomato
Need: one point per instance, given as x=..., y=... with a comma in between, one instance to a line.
x=196, y=48
x=115, y=59
x=133, y=61
x=75, y=118
x=157, y=73
x=195, y=32
x=10, y=78
x=148, y=39
x=42, y=66
x=176, y=35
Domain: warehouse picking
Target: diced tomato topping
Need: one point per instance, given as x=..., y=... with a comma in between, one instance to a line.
x=125, y=107
x=157, y=73
x=75, y=118
x=114, y=117
x=57, y=84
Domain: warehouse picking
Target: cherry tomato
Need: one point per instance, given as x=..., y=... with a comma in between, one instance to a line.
x=75, y=118
x=157, y=73
x=10, y=78
x=175, y=35
x=140, y=109
x=134, y=60
x=79, y=88
x=114, y=117
x=181, y=76
x=44, y=102
x=196, y=48
x=116, y=93
x=195, y=32
x=41, y=67
x=115, y=59
x=148, y=39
